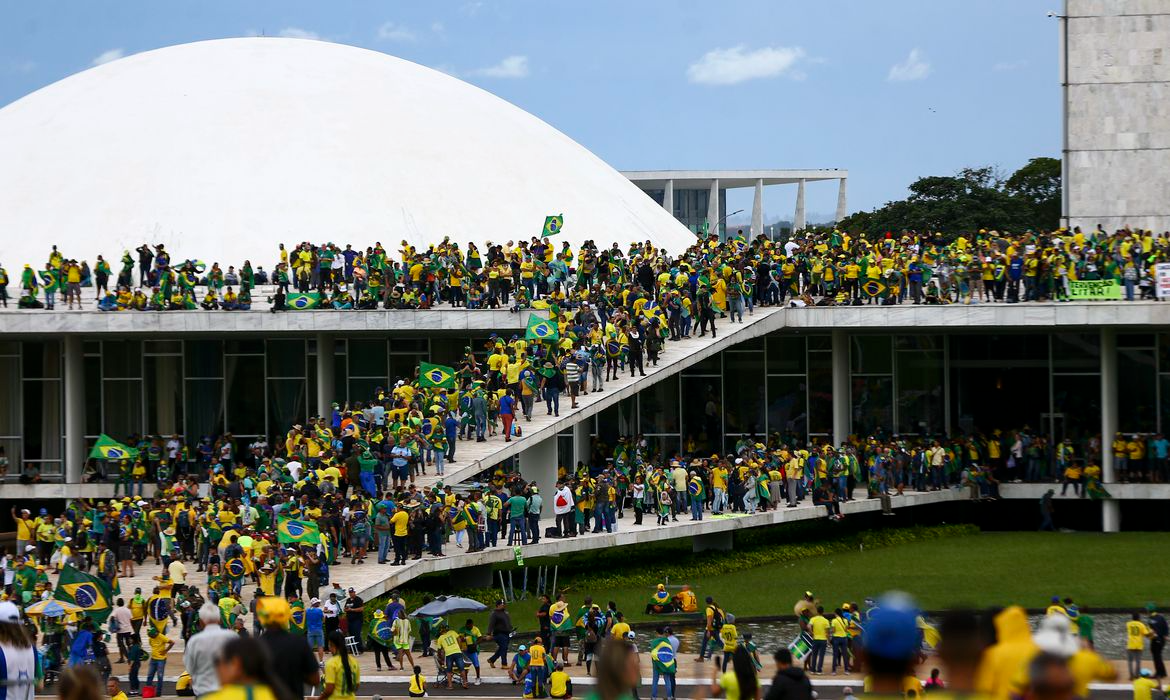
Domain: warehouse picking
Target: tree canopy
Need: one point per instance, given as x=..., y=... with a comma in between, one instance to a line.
x=972, y=199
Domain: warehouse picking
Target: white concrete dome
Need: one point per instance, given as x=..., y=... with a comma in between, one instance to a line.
x=223, y=149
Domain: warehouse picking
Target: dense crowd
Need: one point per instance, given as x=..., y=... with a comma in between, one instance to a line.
x=811, y=267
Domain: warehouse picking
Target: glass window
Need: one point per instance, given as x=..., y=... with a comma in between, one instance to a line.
x=618, y=421
x=1076, y=352
x=743, y=374
x=920, y=392
x=244, y=346
x=404, y=366
x=1135, y=340
x=363, y=389
x=989, y=347
x=918, y=342
x=446, y=350
x=163, y=347
x=418, y=345
x=872, y=403
x=662, y=447
x=820, y=342
x=786, y=354
x=788, y=406
x=820, y=393
x=756, y=343
x=122, y=408
x=702, y=411
x=367, y=358
x=286, y=358
x=711, y=365
x=871, y=354
x=203, y=404
x=9, y=347
x=244, y=379
x=164, y=395
x=42, y=359
x=1076, y=399
x=204, y=359
x=658, y=407
x=286, y=405
x=121, y=359
x=1136, y=391
x=10, y=398
x=93, y=394
x=42, y=420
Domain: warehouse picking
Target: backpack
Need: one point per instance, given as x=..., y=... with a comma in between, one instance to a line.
x=113, y=626
x=361, y=528
x=717, y=618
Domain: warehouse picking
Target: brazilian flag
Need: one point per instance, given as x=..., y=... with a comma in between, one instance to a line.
x=303, y=302
x=48, y=279
x=235, y=567
x=662, y=656
x=289, y=531
x=553, y=225
x=651, y=309
x=435, y=376
x=383, y=631
x=109, y=449
x=158, y=609
x=559, y=617
x=86, y=591
x=873, y=288
x=541, y=329
x=695, y=487
x=296, y=623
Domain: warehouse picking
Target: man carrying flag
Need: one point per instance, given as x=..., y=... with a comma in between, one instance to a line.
x=289, y=531
x=541, y=330
x=698, y=494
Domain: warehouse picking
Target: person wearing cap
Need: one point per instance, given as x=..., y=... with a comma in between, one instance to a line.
x=891, y=646
x=315, y=628
x=19, y=658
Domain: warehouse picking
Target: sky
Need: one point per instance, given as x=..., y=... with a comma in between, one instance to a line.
x=890, y=90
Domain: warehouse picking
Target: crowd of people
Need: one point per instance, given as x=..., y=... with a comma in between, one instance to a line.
x=822, y=267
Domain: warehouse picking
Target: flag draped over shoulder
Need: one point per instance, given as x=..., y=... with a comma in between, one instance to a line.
x=289, y=531
x=541, y=329
x=86, y=591
x=110, y=449
x=435, y=376
x=303, y=302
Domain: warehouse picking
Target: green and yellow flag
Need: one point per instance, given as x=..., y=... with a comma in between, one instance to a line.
x=435, y=376
x=86, y=591
x=108, y=448
x=289, y=531
x=873, y=288
x=541, y=329
x=553, y=225
x=303, y=302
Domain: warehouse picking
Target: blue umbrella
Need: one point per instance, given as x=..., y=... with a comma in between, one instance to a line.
x=445, y=605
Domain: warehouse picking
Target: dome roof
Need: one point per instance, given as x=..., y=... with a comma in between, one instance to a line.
x=223, y=149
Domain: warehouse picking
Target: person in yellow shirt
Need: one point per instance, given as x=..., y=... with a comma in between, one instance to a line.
x=818, y=627
x=159, y=646
x=449, y=643
x=1145, y=685
x=620, y=628
x=839, y=639
x=1136, y=633
x=560, y=686
x=729, y=635
x=114, y=689
x=342, y=672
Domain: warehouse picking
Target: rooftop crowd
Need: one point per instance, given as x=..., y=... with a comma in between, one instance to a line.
x=821, y=267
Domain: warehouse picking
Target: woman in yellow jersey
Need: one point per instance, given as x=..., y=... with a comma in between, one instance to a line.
x=245, y=673
x=342, y=673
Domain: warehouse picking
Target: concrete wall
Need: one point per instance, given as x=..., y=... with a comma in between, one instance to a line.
x=1118, y=111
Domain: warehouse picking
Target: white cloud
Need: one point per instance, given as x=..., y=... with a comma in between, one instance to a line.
x=510, y=67
x=395, y=32
x=107, y=56
x=437, y=28
x=736, y=64
x=1008, y=66
x=915, y=67
x=298, y=33
x=471, y=9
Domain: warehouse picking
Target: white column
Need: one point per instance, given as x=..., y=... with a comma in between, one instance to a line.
x=758, y=209
x=841, y=410
x=1110, y=508
x=539, y=463
x=582, y=445
x=798, y=219
x=326, y=387
x=74, y=409
x=713, y=207
x=668, y=197
x=842, y=212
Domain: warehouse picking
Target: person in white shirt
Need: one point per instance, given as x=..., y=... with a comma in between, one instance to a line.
x=203, y=649
x=563, y=509
x=332, y=610
x=124, y=622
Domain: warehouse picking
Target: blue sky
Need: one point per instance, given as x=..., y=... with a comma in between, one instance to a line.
x=890, y=89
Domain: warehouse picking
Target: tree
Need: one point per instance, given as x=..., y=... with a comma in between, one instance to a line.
x=1039, y=184
x=972, y=199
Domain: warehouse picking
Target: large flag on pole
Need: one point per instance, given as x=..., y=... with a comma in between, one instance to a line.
x=108, y=448
x=435, y=376
x=553, y=225
x=541, y=329
x=86, y=591
x=289, y=531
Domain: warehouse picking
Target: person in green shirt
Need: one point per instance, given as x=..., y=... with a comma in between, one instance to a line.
x=517, y=505
x=1085, y=624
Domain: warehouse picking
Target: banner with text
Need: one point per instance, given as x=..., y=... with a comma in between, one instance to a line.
x=1094, y=289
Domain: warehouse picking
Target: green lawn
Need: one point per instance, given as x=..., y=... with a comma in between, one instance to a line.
x=1118, y=570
